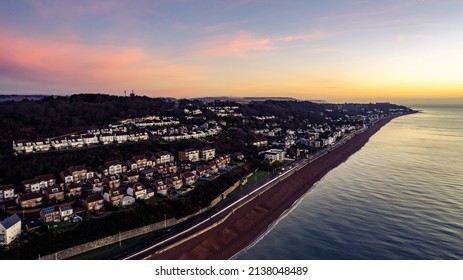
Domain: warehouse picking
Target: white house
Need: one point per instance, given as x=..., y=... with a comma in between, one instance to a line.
x=126, y=201
x=163, y=157
x=6, y=192
x=65, y=212
x=207, y=154
x=42, y=145
x=59, y=143
x=274, y=155
x=189, y=155
x=23, y=146
x=75, y=141
x=90, y=139
x=137, y=190
x=10, y=228
x=120, y=137
x=106, y=138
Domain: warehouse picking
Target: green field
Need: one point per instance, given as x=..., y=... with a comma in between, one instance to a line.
x=254, y=178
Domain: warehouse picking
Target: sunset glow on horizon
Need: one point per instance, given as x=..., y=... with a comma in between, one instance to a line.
x=330, y=50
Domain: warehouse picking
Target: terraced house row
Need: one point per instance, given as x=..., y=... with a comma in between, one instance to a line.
x=115, y=183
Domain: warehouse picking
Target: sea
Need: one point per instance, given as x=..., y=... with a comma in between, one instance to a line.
x=400, y=197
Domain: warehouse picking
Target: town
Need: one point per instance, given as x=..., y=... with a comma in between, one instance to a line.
x=199, y=144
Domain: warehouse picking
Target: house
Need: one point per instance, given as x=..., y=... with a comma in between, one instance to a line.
x=171, y=167
x=137, y=190
x=50, y=215
x=10, y=229
x=95, y=131
x=137, y=136
x=207, y=154
x=6, y=192
x=222, y=161
x=189, y=178
x=93, y=202
x=73, y=190
x=59, y=143
x=90, y=139
x=33, y=224
x=75, y=141
x=45, y=181
x=131, y=177
x=113, y=167
x=127, y=201
x=54, y=194
x=273, y=155
x=39, y=183
x=189, y=155
x=31, y=186
x=120, y=137
x=202, y=170
x=94, y=185
x=42, y=144
x=174, y=181
x=142, y=162
x=97, y=182
x=132, y=165
x=163, y=157
x=132, y=136
x=294, y=152
x=213, y=168
x=106, y=130
x=90, y=173
x=142, y=136
x=23, y=146
x=114, y=196
x=161, y=187
x=147, y=174
x=185, y=165
x=78, y=173
x=160, y=169
x=106, y=138
x=113, y=181
x=261, y=143
x=66, y=212
x=66, y=177
x=30, y=200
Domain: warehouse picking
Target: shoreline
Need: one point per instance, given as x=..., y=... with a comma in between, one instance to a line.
x=252, y=221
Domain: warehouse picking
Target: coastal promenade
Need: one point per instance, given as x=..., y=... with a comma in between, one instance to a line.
x=242, y=224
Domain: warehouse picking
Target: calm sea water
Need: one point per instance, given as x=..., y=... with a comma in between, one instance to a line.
x=399, y=197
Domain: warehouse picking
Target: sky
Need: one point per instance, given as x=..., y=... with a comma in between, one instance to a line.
x=334, y=50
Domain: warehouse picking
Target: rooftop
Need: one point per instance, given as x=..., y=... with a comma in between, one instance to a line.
x=10, y=221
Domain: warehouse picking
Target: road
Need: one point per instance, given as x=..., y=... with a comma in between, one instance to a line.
x=151, y=244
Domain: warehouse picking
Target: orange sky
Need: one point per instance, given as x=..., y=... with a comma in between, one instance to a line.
x=336, y=51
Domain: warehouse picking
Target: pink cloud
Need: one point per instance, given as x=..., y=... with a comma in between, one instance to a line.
x=239, y=45
x=70, y=63
x=245, y=44
x=312, y=36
